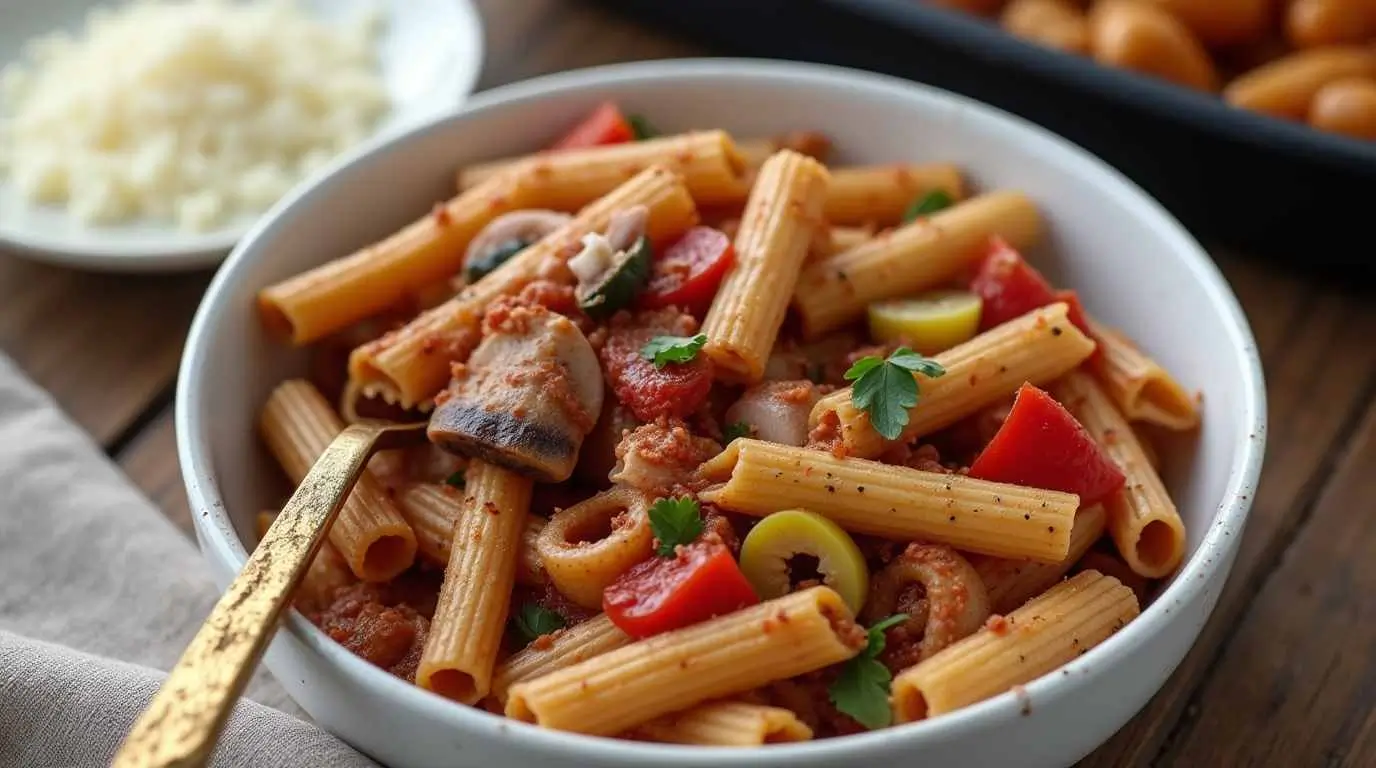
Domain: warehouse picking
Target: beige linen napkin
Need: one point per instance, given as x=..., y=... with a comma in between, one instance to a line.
x=97, y=591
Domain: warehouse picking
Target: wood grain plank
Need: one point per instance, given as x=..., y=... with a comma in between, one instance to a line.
x=1297, y=678
x=150, y=460
x=1319, y=372
x=105, y=346
x=536, y=37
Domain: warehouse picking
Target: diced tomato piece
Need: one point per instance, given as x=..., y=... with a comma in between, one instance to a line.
x=1080, y=319
x=1008, y=285
x=1040, y=445
x=604, y=125
x=689, y=271
x=1076, y=313
x=676, y=390
x=657, y=595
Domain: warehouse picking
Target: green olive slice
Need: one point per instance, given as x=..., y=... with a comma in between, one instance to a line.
x=766, y=551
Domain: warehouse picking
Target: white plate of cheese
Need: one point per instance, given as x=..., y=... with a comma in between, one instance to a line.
x=151, y=138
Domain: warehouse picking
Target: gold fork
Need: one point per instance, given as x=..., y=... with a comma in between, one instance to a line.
x=183, y=721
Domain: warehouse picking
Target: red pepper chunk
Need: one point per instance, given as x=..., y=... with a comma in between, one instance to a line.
x=688, y=273
x=702, y=580
x=1040, y=445
x=604, y=125
x=1008, y=286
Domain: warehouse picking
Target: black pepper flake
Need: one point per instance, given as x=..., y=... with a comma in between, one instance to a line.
x=859, y=489
x=831, y=489
x=1027, y=516
x=1050, y=529
x=953, y=518
x=1055, y=330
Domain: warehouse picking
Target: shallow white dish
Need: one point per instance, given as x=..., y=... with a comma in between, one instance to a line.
x=1134, y=265
x=430, y=51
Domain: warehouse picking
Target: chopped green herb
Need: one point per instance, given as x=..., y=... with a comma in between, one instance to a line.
x=641, y=127
x=674, y=522
x=862, y=689
x=457, y=479
x=886, y=389
x=662, y=350
x=534, y=620
x=929, y=203
x=739, y=429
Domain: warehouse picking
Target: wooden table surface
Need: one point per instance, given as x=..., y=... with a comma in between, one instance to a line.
x=1284, y=673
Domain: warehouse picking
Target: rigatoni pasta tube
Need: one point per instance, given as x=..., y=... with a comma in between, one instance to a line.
x=725, y=724
x=1139, y=386
x=758, y=478
x=297, y=424
x=780, y=220
x=432, y=509
x=1010, y=583
x=924, y=254
x=571, y=646
x=730, y=654
x=1066, y=621
x=711, y=167
x=410, y=365
x=838, y=239
x=339, y=293
x=327, y=572
x=470, y=616
x=1142, y=519
x=882, y=193
x=1036, y=348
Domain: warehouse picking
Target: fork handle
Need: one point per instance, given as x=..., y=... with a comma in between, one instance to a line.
x=183, y=721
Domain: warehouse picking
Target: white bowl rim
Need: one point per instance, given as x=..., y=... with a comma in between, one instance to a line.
x=190, y=251
x=1192, y=579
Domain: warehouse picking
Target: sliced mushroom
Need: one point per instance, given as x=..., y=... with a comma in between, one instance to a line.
x=776, y=411
x=506, y=236
x=527, y=397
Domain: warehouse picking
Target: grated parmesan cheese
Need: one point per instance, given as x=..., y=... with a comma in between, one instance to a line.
x=189, y=112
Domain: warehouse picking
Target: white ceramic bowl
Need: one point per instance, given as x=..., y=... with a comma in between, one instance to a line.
x=1134, y=265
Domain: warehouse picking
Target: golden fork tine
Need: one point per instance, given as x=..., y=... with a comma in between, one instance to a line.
x=183, y=721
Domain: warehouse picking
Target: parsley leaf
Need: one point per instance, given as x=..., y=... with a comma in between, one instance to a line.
x=534, y=620
x=931, y=202
x=674, y=522
x=886, y=389
x=641, y=127
x=662, y=350
x=457, y=479
x=862, y=689
x=912, y=361
x=739, y=429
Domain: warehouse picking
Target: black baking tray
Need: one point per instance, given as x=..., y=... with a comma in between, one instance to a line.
x=1261, y=185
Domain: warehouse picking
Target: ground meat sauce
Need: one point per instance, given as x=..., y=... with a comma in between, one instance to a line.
x=675, y=390
x=660, y=456
x=719, y=524
x=808, y=698
x=826, y=436
x=366, y=619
